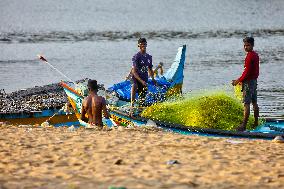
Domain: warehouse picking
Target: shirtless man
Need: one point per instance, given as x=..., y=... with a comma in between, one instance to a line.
x=94, y=105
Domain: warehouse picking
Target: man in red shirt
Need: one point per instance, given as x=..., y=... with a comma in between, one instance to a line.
x=249, y=82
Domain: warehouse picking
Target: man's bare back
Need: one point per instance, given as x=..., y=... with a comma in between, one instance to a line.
x=93, y=105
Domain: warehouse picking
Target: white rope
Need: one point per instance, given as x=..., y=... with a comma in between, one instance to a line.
x=60, y=72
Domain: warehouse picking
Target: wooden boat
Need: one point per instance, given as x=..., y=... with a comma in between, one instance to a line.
x=119, y=116
x=53, y=116
x=35, y=105
x=169, y=84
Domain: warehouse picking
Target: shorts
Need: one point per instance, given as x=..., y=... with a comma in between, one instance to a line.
x=249, y=89
x=142, y=91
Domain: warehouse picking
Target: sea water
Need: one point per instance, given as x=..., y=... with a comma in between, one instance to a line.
x=97, y=39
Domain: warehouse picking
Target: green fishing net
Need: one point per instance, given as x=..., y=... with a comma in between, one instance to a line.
x=215, y=109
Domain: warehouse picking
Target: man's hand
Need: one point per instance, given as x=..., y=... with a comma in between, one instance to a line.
x=235, y=82
x=144, y=83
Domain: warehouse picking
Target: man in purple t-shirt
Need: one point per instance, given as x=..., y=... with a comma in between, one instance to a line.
x=141, y=65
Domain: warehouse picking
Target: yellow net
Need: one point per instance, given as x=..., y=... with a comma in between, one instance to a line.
x=215, y=109
x=238, y=91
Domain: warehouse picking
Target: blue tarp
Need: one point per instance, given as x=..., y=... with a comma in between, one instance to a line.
x=154, y=93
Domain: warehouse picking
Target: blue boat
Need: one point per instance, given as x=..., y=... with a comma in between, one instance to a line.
x=35, y=105
x=169, y=84
x=53, y=116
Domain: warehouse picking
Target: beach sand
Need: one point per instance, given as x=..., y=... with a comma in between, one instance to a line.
x=134, y=158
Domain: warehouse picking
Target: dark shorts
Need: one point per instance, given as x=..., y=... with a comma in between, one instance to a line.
x=249, y=89
x=142, y=91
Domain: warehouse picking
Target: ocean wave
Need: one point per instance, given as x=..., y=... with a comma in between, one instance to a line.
x=62, y=36
x=17, y=61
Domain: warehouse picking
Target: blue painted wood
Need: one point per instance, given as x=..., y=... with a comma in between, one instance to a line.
x=35, y=114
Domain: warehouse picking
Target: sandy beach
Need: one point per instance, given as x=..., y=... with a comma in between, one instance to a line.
x=33, y=157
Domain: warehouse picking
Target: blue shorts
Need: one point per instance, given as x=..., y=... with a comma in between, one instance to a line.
x=249, y=89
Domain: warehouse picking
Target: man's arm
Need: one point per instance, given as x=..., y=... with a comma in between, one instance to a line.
x=246, y=71
x=105, y=111
x=150, y=70
x=161, y=70
x=160, y=66
x=152, y=76
x=83, y=112
x=128, y=77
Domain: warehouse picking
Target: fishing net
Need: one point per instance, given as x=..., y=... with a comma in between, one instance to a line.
x=210, y=109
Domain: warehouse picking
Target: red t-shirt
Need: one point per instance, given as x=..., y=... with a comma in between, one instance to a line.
x=251, y=67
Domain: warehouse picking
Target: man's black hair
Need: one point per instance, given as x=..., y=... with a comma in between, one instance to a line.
x=93, y=85
x=249, y=40
x=142, y=40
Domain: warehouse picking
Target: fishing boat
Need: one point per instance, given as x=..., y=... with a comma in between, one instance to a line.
x=36, y=105
x=172, y=81
x=118, y=95
x=48, y=103
x=52, y=116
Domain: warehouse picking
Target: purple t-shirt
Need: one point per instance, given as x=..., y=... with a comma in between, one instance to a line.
x=142, y=62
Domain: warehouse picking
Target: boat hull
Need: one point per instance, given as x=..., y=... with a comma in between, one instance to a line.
x=38, y=117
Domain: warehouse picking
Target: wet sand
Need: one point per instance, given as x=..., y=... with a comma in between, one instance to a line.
x=134, y=158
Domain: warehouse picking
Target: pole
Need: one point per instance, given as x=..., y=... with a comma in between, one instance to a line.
x=44, y=60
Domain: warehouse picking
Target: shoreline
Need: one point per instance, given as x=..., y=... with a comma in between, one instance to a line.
x=135, y=158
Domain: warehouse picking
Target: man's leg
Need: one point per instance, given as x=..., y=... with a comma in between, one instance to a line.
x=142, y=96
x=246, y=101
x=256, y=114
x=242, y=127
x=254, y=103
x=133, y=94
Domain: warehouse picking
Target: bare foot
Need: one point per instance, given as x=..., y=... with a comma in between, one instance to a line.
x=99, y=127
